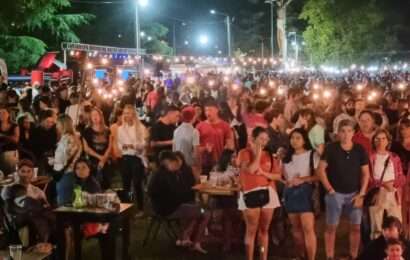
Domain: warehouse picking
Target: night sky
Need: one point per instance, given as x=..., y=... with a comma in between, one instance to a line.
x=114, y=23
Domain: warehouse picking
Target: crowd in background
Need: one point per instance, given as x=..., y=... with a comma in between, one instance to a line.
x=306, y=143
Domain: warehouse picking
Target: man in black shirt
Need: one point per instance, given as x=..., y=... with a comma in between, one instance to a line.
x=170, y=190
x=45, y=139
x=375, y=250
x=344, y=172
x=278, y=140
x=162, y=132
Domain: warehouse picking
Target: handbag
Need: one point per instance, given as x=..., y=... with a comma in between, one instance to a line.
x=58, y=174
x=317, y=207
x=257, y=198
x=369, y=199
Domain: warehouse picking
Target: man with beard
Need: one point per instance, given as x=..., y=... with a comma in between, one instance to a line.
x=348, y=112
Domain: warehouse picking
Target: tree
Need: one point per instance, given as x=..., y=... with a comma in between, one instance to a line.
x=154, y=39
x=24, y=23
x=343, y=32
x=281, y=36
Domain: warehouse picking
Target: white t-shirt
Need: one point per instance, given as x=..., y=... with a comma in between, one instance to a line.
x=127, y=135
x=299, y=166
x=379, y=166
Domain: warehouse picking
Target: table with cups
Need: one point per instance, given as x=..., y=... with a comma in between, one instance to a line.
x=219, y=184
x=103, y=208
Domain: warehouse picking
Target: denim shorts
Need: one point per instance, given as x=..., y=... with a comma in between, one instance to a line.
x=298, y=199
x=336, y=203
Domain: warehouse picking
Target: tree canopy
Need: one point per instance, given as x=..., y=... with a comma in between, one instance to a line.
x=154, y=41
x=28, y=27
x=342, y=32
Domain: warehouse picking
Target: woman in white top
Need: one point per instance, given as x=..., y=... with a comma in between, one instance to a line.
x=68, y=151
x=131, y=141
x=387, y=175
x=298, y=169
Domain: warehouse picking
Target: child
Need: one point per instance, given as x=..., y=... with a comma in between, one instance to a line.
x=394, y=249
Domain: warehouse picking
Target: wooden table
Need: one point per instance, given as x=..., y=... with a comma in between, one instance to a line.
x=77, y=217
x=216, y=191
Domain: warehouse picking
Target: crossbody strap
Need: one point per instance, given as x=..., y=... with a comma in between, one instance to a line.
x=386, y=163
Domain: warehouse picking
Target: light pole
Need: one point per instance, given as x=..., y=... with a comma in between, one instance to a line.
x=272, y=33
x=142, y=3
x=228, y=29
x=296, y=45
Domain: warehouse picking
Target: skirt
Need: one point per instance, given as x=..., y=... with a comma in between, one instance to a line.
x=273, y=199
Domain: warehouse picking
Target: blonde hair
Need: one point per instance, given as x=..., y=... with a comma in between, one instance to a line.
x=101, y=115
x=67, y=126
x=142, y=132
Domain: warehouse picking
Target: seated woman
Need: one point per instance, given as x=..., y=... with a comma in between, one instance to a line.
x=88, y=183
x=171, y=195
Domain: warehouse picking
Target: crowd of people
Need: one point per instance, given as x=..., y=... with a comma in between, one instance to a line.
x=308, y=144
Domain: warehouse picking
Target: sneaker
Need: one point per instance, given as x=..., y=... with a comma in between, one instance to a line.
x=139, y=214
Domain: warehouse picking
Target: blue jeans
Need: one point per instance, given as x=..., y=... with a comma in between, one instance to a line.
x=336, y=203
x=64, y=188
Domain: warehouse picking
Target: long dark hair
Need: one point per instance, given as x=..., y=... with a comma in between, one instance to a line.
x=306, y=145
x=225, y=160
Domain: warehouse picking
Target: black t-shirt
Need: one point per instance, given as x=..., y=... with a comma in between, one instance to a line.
x=277, y=140
x=62, y=105
x=404, y=155
x=168, y=190
x=98, y=141
x=44, y=141
x=162, y=132
x=344, y=167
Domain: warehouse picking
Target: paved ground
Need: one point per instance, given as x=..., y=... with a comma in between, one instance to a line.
x=164, y=248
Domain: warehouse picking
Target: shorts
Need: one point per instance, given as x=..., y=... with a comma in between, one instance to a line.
x=298, y=199
x=336, y=203
x=273, y=199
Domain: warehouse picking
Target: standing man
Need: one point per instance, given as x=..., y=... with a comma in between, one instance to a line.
x=215, y=136
x=186, y=137
x=344, y=172
x=162, y=131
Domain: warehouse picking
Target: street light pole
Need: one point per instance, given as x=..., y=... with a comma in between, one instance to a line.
x=228, y=29
x=272, y=33
x=137, y=29
x=174, y=38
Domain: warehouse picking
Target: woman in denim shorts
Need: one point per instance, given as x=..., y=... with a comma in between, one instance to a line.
x=298, y=169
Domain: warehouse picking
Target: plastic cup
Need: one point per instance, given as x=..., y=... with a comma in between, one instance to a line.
x=16, y=251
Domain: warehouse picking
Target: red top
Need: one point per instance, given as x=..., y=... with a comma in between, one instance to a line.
x=250, y=180
x=252, y=120
x=214, y=134
x=359, y=138
x=152, y=99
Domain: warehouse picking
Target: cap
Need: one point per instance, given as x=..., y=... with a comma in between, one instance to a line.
x=187, y=114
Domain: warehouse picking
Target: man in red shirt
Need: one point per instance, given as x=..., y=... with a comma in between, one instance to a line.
x=152, y=98
x=215, y=136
